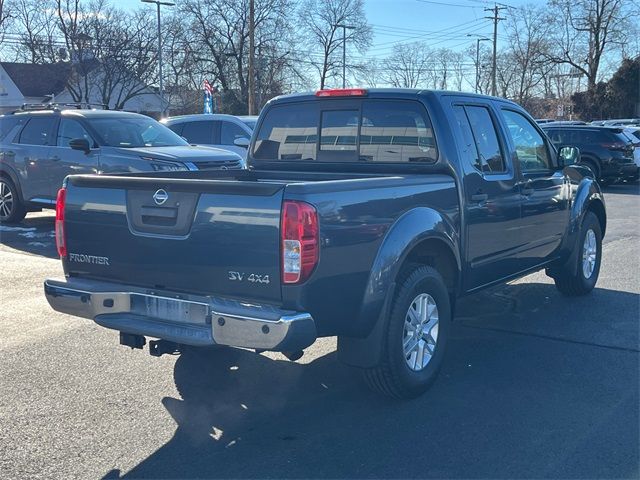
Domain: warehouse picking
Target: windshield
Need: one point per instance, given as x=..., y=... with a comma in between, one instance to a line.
x=132, y=132
x=250, y=123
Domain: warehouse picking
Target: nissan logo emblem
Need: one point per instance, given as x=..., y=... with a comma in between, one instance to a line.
x=160, y=197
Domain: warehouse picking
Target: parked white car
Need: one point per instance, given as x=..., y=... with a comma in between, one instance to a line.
x=227, y=132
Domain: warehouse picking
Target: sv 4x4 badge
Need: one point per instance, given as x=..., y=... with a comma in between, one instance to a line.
x=251, y=277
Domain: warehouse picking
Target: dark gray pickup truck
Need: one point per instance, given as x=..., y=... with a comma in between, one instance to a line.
x=363, y=215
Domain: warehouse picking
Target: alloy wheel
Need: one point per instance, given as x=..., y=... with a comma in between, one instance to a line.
x=420, y=332
x=6, y=200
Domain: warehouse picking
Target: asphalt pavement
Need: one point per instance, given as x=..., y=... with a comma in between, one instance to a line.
x=533, y=385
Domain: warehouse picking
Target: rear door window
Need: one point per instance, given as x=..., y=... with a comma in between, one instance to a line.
x=486, y=138
x=38, y=131
x=199, y=132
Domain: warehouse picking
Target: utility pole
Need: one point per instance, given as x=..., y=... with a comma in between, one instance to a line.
x=495, y=10
x=478, y=40
x=168, y=4
x=344, y=50
x=252, y=47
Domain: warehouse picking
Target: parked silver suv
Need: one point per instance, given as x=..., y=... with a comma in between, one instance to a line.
x=38, y=149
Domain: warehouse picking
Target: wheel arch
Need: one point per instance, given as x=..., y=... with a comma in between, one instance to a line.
x=422, y=236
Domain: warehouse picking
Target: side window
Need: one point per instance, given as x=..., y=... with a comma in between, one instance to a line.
x=229, y=131
x=470, y=150
x=198, y=132
x=37, y=131
x=71, y=130
x=7, y=124
x=486, y=138
x=338, y=130
x=530, y=146
x=396, y=132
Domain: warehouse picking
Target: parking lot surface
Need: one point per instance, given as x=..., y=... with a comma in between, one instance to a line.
x=533, y=385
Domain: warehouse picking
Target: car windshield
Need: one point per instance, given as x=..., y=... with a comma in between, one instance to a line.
x=132, y=132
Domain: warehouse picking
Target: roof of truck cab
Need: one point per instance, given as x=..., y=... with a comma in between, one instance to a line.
x=388, y=93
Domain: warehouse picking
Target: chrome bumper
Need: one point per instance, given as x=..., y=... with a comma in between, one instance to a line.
x=185, y=319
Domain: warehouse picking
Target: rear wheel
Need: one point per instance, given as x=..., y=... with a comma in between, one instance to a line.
x=416, y=336
x=584, y=276
x=11, y=208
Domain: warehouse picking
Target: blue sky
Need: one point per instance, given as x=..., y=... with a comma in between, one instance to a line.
x=440, y=23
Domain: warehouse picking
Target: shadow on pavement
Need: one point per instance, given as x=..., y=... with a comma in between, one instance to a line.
x=632, y=188
x=34, y=235
x=529, y=404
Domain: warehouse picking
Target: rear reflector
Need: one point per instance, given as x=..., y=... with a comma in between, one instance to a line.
x=61, y=241
x=342, y=92
x=300, y=245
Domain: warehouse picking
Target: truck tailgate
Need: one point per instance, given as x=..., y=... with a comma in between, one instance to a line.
x=213, y=237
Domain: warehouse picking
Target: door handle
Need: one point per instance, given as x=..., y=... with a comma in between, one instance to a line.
x=55, y=158
x=479, y=197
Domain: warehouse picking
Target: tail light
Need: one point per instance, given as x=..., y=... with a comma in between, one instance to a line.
x=300, y=241
x=61, y=241
x=616, y=146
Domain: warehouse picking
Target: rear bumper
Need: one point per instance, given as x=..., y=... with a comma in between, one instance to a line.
x=180, y=318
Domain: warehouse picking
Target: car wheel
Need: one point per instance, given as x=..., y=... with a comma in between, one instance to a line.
x=593, y=166
x=416, y=336
x=11, y=208
x=589, y=251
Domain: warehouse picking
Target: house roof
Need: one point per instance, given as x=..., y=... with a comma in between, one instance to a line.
x=35, y=80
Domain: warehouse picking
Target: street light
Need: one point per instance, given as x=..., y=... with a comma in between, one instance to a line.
x=478, y=40
x=168, y=4
x=344, y=50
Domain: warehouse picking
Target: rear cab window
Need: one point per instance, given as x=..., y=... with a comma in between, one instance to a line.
x=364, y=131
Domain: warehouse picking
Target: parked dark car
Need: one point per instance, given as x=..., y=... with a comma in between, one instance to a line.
x=605, y=150
x=38, y=149
x=365, y=214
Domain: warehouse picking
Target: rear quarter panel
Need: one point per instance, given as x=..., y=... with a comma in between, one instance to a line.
x=347, y=290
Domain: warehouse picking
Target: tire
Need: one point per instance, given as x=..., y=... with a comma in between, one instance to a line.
x=399, y=374
x=593, y=166
x=12, y=209
x=585, y=275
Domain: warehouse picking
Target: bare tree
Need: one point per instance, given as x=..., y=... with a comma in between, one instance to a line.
x=409, y=65
x=322, y=21
x=586, y=29
x=526, y=61
x=38, y=31
x=219, y=32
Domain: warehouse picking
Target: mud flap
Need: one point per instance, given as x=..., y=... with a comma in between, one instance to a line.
x=366, y=352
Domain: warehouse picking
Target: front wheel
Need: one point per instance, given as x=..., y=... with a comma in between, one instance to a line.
x=584, y=276
x=415, y=337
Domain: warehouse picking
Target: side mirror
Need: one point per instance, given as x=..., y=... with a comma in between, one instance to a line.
x=81, y=144
x=241, y=142
x=568, y=156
